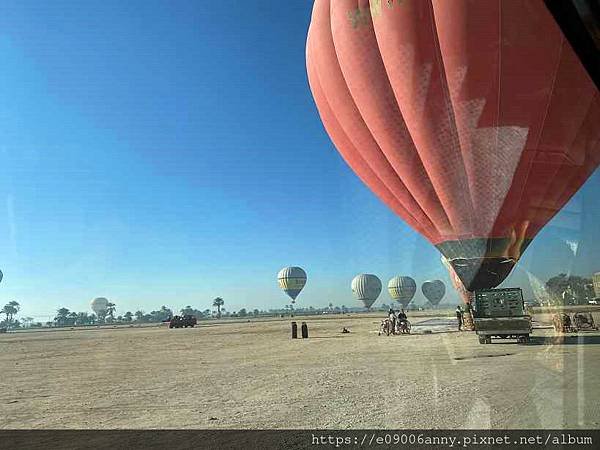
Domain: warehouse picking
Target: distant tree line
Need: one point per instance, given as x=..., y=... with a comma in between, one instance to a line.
x=566, y=289
x=561, y=289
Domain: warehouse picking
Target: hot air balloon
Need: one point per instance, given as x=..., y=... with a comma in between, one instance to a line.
x=292, y=280
x=402, y=289
x=100, y=307
x=434, y=291
x=366, y=288
x=474, y=121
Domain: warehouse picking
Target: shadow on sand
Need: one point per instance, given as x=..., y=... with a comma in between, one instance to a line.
x=329, y=337
x=565, y=340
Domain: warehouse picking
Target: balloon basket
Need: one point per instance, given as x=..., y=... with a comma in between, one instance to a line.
x=468, y=324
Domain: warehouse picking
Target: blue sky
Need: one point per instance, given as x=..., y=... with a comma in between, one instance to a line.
x=170, y=152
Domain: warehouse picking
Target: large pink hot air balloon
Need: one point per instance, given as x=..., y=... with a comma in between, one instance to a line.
x=473, y=120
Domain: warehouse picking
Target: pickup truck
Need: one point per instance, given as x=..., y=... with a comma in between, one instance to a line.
x=501, y=313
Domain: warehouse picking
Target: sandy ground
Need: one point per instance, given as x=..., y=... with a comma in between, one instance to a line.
x=252, y=375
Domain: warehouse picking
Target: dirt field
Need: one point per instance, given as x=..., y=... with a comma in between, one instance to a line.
x=252, y=375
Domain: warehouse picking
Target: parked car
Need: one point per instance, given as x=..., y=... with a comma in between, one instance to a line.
x=184, y=321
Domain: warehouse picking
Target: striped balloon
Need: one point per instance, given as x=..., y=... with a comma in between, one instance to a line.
x=292, y=281
x=402, y=289
x=366, y=288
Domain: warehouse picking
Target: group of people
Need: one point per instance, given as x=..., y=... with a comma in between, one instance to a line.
x=398, y=322
x=460, y=315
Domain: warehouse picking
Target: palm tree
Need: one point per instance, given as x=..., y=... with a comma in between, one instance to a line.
x=11, y=309
x=110, y=310
x=72, y=318
x=218, y=302
x=82, y=318
x=61, y=316
x=188, y=310
x=164, y=313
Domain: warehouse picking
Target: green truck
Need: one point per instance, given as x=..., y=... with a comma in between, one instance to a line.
x=501, y=313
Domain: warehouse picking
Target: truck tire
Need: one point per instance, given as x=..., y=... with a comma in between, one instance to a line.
x=481, y=339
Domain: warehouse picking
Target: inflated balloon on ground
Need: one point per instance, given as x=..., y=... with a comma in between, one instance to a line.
x=474, y=130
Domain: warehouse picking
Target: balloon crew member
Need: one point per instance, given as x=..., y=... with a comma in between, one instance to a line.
x=459, y=317
x=402, y=315
x=401, y=319
x=392, y=317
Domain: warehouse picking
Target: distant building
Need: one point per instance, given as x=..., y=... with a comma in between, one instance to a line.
x=596, y=281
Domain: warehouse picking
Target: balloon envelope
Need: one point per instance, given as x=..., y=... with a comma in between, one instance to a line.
x=292, y=280
x=402, y=289
x=473, y=120
x=366, y=288
x=99, y=305
x=434, y=291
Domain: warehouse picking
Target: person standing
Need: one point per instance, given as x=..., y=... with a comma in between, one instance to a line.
x=402, y=319
x=459, y=317
x=392, y=318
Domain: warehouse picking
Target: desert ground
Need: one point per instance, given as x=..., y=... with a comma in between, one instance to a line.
x=251, y=374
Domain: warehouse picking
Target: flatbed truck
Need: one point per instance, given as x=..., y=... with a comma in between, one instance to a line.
x=501, y=313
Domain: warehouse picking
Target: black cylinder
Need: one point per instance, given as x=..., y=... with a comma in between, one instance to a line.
x=294, y=330
x=304, y=330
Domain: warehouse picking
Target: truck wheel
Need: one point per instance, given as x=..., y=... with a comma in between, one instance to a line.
x=481, y=339
x=524, y=339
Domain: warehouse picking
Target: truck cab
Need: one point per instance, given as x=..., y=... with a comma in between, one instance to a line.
x=501, y=313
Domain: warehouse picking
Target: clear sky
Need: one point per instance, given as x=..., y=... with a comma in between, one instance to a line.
x=158, y=152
